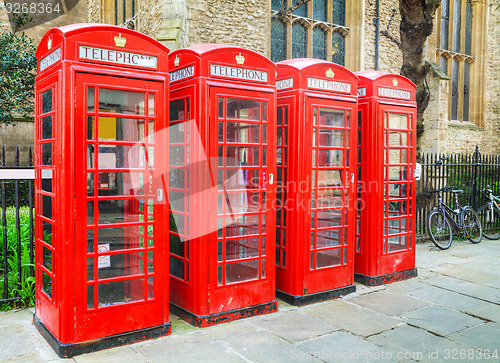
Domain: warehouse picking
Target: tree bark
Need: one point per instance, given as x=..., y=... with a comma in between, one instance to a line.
x=417, y=21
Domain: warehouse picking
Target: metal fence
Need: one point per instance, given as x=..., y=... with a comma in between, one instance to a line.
x=16, y=235
x=469, y=172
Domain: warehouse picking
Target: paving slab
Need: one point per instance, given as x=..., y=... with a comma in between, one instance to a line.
x=124, y=354
x=351, y=317
x=447, y=298
x=233, y=328
x=345, y=347
x=464, y=273
x=264, y=347
x=407, y=342
x=15, y=343
x=406, y=285
x=389, y=302
x=487, y=311
x=14, y=317
x=485, y=336
x=439, y=320
x=294, y=325
x=192, y=347
x=475, y=290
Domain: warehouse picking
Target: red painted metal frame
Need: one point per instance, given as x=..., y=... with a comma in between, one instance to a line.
x=62, y=315
x=305, y=85
x=195, y=294
x=381, y=94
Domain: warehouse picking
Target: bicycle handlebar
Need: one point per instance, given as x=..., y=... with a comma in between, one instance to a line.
x=489, y=188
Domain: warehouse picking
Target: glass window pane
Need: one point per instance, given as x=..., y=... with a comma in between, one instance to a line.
x=338, y=48
x=278, y=40
x=457, y=15
x=91, y=99
x=445, y=18
x=242, y=271
x=242, y=133
x=454, y=89
x=119, y=101
x=240, y=109
x=320, y=10
x=276, y=4
x=338, y=10
x=177, y=111
x=120, y=292
x=299, y=40
x=242, y=248
x=151, y=104
x=47, y=101
x=47, y=128
x=120, y=129
x=301, y=10
x=329, y=117
x=124, y=183
x=319, y=43
x=46, y=153
x=325, y=258
x=332, y=138
x=398, y=121
x=466, y=91
x=397, y=138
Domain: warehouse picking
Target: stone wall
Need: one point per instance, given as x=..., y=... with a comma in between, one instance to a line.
x=239, y=22
x=21, y=134
x=492, y=121
x=390, y=56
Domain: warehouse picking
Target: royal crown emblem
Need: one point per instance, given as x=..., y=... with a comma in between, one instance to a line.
x=176, y=61
x=395, y=82
x=240, y=59
x=119, y=41
x=330, y=73
x=49, y=43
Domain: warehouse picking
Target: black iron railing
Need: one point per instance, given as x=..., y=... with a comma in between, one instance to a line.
x=16, y=234
x=469, y=172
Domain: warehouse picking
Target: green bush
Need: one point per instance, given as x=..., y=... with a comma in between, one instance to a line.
x=26, y=289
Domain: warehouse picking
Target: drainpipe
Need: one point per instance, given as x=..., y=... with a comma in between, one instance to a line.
x=376, y=21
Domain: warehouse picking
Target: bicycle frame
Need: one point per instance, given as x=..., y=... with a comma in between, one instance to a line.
x=492, y=203
x=454, y=216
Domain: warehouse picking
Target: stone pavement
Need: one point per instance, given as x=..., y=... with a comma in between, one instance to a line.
x=450, y=312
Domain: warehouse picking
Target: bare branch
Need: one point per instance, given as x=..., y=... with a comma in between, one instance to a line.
x=386, y=32
x=282, y=13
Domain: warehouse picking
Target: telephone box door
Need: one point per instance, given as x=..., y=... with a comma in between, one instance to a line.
x=332, y=188
x=242, y=259
x=399, y=186
x=119, y=201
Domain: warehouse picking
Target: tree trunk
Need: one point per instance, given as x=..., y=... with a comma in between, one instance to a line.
x=417, y=20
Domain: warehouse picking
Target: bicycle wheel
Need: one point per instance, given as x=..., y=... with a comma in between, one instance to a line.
x=439, y=229
x=472, y=226
x=490, y=221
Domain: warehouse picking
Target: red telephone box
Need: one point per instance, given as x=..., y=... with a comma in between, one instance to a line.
x=101, y=98
x=316, y=160
x=221, y=183
x=385, y=239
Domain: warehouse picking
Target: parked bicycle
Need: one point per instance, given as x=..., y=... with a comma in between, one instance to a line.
x=442, y=220
x=489, y=214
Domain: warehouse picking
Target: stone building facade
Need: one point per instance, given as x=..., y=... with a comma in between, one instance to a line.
x=247, y=23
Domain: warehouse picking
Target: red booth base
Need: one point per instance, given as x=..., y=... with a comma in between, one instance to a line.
x=385, y=279
x=225, y=316
x=68, y=350
x=316, y=297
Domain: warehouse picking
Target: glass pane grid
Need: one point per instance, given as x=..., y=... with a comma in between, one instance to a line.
x=241, y=198
x=328, y=196
x=281, y=182
x=120, y=261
